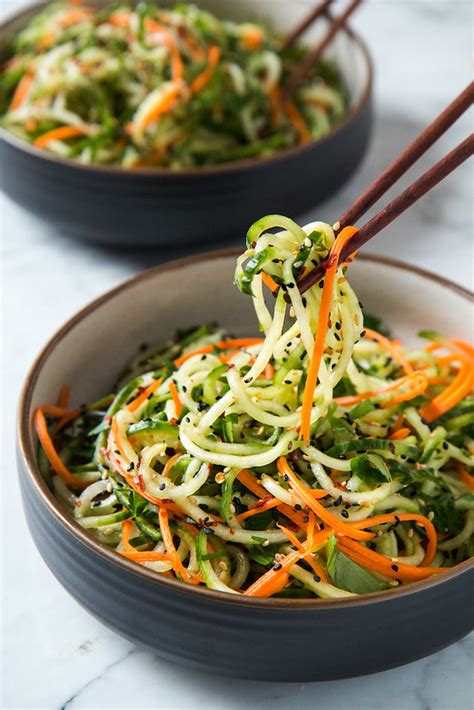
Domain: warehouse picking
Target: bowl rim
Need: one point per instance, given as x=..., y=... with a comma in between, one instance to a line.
x=26, y=447
x=209, y=170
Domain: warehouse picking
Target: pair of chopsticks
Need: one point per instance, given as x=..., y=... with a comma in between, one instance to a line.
x=395, y=170
x=304, y=69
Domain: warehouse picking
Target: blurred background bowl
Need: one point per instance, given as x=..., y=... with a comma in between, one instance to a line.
x=158, y=207
x=264, y=639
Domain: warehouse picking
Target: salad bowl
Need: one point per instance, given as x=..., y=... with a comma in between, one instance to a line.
x=255, y=638
x=158, y=206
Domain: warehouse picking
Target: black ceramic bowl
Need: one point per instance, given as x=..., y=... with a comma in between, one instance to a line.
x=266, y=639
x=158, y=207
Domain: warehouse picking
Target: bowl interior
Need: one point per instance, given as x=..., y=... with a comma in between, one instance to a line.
x=91, y=349
x=348, y=53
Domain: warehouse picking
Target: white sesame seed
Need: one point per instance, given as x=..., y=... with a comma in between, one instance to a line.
x=307, y=242
x=336, y=226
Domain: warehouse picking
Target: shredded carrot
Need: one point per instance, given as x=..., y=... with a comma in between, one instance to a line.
x=169, y=465
x=45, y=41
x=397, y=517
x=146, y=556
x=165, y=104
x=261, y=506
x=21, y=91
x=274, y=96
x=249, y=481
x=268, y=583
x=177, y=66
x=178, y=566
x=120, y=19
x=143, y=396
x=232, y=343
x=64, y=395
x=347, y=529
x=324, y=311
x=383, y=565
x=400, y=434
x=306, y=548
x=417, y=382
x=390, y=348
x=126, y=530
x=297, y=121
x=51, y=453
x=58, y=134
x=253, y=38
x=268, y=281
x=213, y=56
x=269, y=372
x=74, y=16
x=464, y=475
x=454, y=393
x=176, y=400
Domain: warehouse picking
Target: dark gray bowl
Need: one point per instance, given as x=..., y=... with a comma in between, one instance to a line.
x=265, y=639
x=158, y=207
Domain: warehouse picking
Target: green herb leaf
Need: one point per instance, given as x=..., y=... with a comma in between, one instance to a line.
x=347, y=574
x=370, y=468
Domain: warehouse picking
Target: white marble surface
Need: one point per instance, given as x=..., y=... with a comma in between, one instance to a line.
x=54, y=654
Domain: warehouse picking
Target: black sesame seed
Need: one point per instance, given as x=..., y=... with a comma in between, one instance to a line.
x=344, y=513
x=338, y=501
x=316, y=577
x=116, y=451
x=298, y=506
x=395, y=568
x=131, y=467
x=277, y=567
x=163, y=486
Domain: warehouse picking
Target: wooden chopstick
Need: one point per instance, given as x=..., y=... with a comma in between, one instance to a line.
x=395, y=208
x=409, y=156
x=307, y=65
x=317, y=11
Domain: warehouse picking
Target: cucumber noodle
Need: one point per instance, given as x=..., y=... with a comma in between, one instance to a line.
x=195, y=465
x=143, y=86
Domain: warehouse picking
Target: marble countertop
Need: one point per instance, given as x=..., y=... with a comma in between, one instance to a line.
x=54, y=654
